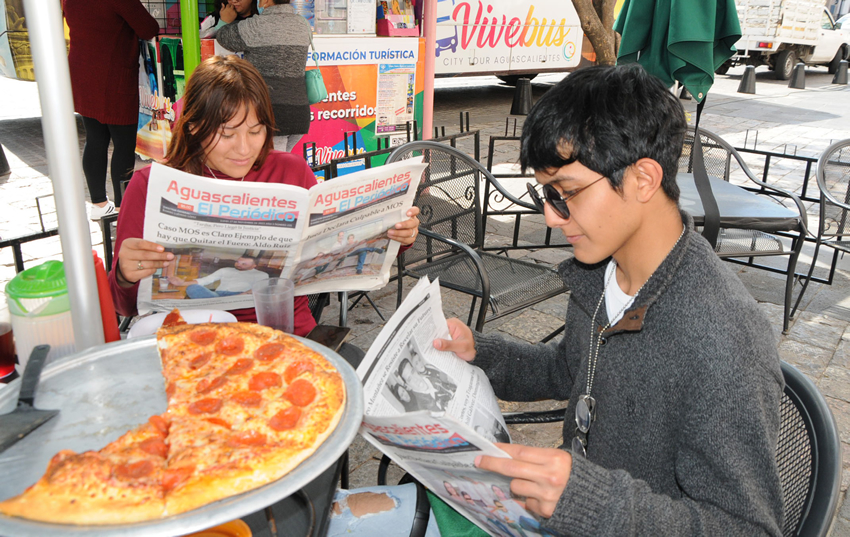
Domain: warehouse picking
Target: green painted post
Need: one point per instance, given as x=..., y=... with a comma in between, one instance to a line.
x=191, y=36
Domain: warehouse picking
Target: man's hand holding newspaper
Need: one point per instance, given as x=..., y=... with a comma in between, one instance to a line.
x=438, y=418
x=537, y=472
x=461, y=342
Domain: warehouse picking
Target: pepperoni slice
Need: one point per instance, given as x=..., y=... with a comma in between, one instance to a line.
x=200, y=361
x=285, y=419
x=209, y=405
x=134, y=470
x=173, y=319
x=219, y=421
x=155, y=446
x=174, y=477
x=266, y=379
x=300, y=393
x=207, y=385
x=248, y=438
x=241, y=366
x=231, y=345
x=247, y=398
x=170, y=389
x=296, y=368
x=269, y=352
x=203, y=338
x=160, y=424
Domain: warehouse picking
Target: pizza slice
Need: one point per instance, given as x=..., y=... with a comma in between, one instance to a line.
x=174, y=318
x=245, y=415
x=119, y=484
x=206, y=351
x=209, y=461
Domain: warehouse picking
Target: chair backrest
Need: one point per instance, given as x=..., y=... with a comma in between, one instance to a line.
x=317, y=304
x=448, y=197
x=833, y=172
x=808, y=455
x=721, y=159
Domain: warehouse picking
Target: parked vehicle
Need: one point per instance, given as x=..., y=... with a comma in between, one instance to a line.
x=843, y=23
x=781, y=33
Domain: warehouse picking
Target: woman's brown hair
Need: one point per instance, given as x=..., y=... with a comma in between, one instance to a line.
x=216, y=91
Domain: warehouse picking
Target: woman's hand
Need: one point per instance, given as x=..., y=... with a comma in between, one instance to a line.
x=462, y=342
x=406, y=232
x=539, y=474
x=227, y=13
x=138, y=259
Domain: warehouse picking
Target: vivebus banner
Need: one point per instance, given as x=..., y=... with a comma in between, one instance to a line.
x=506, y=35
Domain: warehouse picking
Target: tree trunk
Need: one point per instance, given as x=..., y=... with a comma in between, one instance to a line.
x=597, y=22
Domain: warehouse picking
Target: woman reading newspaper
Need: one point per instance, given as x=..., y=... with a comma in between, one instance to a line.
x=225, y=132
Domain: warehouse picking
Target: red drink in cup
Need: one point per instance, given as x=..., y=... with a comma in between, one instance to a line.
x=7, y=344
x=7, y=351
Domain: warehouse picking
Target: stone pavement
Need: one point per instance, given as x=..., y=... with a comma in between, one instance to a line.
x=802, y=122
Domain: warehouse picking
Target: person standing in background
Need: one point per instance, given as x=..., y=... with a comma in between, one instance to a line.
x=227, y=11
x=104, y=65
x=276, y=43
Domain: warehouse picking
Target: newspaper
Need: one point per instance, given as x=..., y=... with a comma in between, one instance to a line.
x=228, y=235
x=433, y=414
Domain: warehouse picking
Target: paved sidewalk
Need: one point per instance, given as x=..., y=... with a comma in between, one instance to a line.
x=805, y=121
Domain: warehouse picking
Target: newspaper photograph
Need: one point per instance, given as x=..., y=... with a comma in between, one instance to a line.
x=228, y=235
x=440, y=453
x=403, y=372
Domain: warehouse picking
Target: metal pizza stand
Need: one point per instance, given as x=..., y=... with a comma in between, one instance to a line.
x=109, y=389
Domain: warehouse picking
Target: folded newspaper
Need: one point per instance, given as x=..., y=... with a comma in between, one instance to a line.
x=228, y=235
x=433, y=414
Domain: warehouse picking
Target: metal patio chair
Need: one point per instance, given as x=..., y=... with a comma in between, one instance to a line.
x=746, y=238
x=451, y=241
x=833, y=176
x=808, y=455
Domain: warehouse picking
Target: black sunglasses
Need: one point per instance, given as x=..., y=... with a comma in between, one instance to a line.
x=585, y=415
x=555, y=199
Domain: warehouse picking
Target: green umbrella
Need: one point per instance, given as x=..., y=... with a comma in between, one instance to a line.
x=679, y=40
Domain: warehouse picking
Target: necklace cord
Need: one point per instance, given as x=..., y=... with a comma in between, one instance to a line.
x=593, y=354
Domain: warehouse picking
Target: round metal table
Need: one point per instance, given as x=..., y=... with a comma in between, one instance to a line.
x=107, y=390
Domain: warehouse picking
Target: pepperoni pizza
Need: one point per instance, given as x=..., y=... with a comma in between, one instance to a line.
x=246, y=405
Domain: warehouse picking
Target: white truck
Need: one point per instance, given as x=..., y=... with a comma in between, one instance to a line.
x=780, y=33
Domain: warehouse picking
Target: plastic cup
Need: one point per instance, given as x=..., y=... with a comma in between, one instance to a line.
x=163, y=284
x=274, y=300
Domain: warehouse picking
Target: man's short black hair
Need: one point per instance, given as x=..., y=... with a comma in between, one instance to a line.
x=606, y=118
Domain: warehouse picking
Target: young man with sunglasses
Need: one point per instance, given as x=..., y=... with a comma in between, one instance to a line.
x=669, y=365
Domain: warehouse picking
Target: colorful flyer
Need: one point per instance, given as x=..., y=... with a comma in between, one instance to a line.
x=395, y=98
